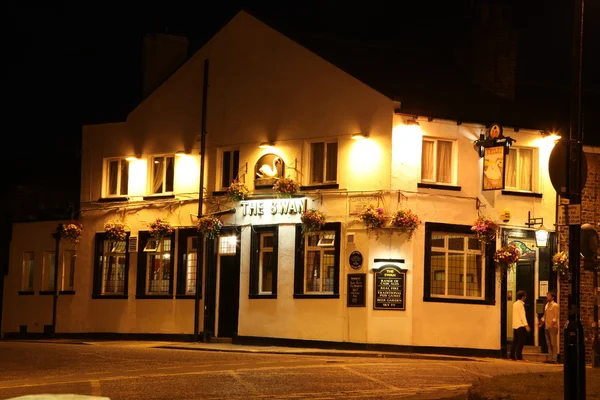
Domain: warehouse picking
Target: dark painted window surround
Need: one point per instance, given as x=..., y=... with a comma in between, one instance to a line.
x=522, y=194
x=299, y=264
x=438, y=186
x=97, y=287
x=26, y=292
x=255, y=259
x=182, y=239
x=489, y=266
x=143, y=237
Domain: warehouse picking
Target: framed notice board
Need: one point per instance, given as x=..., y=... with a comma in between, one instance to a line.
x=390, y=287
x=356, y=290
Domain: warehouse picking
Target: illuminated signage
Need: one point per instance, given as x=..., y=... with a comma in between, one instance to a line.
x=273, y=207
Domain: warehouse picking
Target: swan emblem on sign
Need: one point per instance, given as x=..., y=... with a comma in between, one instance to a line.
x=267, y=171
x=493, y=171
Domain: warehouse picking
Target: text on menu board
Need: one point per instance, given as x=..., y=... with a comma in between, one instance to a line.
x=356, y=290
x=390, y=284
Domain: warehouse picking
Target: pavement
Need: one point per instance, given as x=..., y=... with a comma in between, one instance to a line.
x=237, y=348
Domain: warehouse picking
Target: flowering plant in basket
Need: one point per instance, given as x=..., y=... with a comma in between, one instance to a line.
x=116, y=230
x=286, y=187
x=210, y=226
x=237, y=190
x=160, y=228
x=485, y=229
x=506, y=256
x=71, y=231
x=312, y=220
x=406, y=220
x=372, y=217
x=560, y=265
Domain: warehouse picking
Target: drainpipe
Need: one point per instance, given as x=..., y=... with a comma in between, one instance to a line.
x=56, y=237
x=200, y=246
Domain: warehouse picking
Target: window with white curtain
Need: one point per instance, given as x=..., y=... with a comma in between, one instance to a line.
x=437, y=164
x=163, y=173
x=520, y=169
x=116, y=177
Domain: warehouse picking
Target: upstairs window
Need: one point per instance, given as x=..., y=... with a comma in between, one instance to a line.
x=231, y=167
x=163, y=172
x=323, y=162
x=520, y=169
x=117, y=177
x=437, y=164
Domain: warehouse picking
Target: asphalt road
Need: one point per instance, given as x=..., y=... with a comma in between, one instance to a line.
x=138, y=370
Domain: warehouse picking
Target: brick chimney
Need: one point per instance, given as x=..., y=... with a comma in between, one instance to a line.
x=162, y=54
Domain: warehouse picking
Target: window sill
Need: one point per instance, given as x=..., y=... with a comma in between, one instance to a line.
x=186, y=296
x=159, y=197
x=316, y=296
x=154, y=296
x=262, y=296
x=438, y=186
x=66, y=292
x=109, y=296
x=324, y=186
x=521, y=194
x=46, y=292
x=459, y=301
x=112, y=199
x=26, y=292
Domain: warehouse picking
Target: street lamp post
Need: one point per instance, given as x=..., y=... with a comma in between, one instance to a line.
x=56, y=235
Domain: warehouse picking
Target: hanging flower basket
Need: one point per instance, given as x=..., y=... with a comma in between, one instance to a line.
x=505, y=257
x=210, y=226
x=312, y=220
x=406, y=221
x=160, y=228
x=560, y=265
x=116, y=230
x=71, y=231
x=372, y=217
x=485, y=229
x=286, y=187
x=237, y=190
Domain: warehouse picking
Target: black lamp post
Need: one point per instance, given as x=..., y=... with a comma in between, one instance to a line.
x=56, y=235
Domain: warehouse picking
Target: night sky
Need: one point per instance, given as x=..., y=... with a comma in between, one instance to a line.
x=77, y=64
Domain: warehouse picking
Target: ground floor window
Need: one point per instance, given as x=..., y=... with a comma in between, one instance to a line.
x=155, y=266
x=263, y=262
x=111, y=266
x=187, y=267
x=457, y=266
x=317, y=266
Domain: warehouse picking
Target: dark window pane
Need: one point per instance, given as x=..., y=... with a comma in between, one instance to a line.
x=267, y=272
x=456, y=243
x=124, y=176
x=157, y=182
x=170, y=174
x=113, y=176
x=317, y=158
x=236, y=164
x=226, y=179
x=332, y=150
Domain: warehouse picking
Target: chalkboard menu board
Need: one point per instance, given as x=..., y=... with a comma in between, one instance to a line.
x=390, y=284
x=356, y=290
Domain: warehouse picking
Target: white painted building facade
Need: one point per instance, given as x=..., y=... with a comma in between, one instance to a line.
x=265, y=88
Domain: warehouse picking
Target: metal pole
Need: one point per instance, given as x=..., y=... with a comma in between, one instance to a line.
x=574, y=371
x=56, y=237
x=200, y=246
x=596, y=345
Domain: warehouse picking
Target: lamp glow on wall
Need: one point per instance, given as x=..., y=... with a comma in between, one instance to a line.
x=541, y=233
x=360, y=136
x=266, y=145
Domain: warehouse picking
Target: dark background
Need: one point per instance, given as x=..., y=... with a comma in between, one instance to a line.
x=73, y=64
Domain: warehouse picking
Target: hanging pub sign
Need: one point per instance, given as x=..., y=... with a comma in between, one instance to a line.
x=493, y=167
x=390, y=286
x=356, y=290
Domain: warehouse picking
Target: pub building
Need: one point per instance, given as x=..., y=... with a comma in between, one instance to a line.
x=262, y=279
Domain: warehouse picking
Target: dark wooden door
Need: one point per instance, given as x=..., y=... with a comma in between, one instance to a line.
x=229, y=296
x=525, y=281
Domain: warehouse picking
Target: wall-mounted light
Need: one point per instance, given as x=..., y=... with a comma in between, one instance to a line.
x=266, y=145
x=182, y=153
x=550, y=135
x=541, y=233
x=360, y=136
x=134, y=157
x=413, y=122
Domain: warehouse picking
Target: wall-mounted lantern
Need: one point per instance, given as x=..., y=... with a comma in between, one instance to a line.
x=541, y=233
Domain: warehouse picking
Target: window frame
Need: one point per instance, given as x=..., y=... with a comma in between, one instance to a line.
x=99, y=240
x=69, y=258
x=164, y=191
x=324, y=182
x=534, y=170
x=300, y=267
x=142, y=270
x=27, y=273
x=233, y=173
x=48, y=285
x=106, y=174
x=488, y=272
x=255, y=266
x=185, y=235
x=453, y=162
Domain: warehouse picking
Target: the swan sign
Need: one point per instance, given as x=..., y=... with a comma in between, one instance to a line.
x=273, y=210
x=493, y=167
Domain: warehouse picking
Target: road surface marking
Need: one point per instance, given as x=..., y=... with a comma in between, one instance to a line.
x=468, y=371
x=386, y=384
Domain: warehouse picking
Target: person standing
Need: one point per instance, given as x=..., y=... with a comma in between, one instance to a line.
x=550, y=319
x=520, y=326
